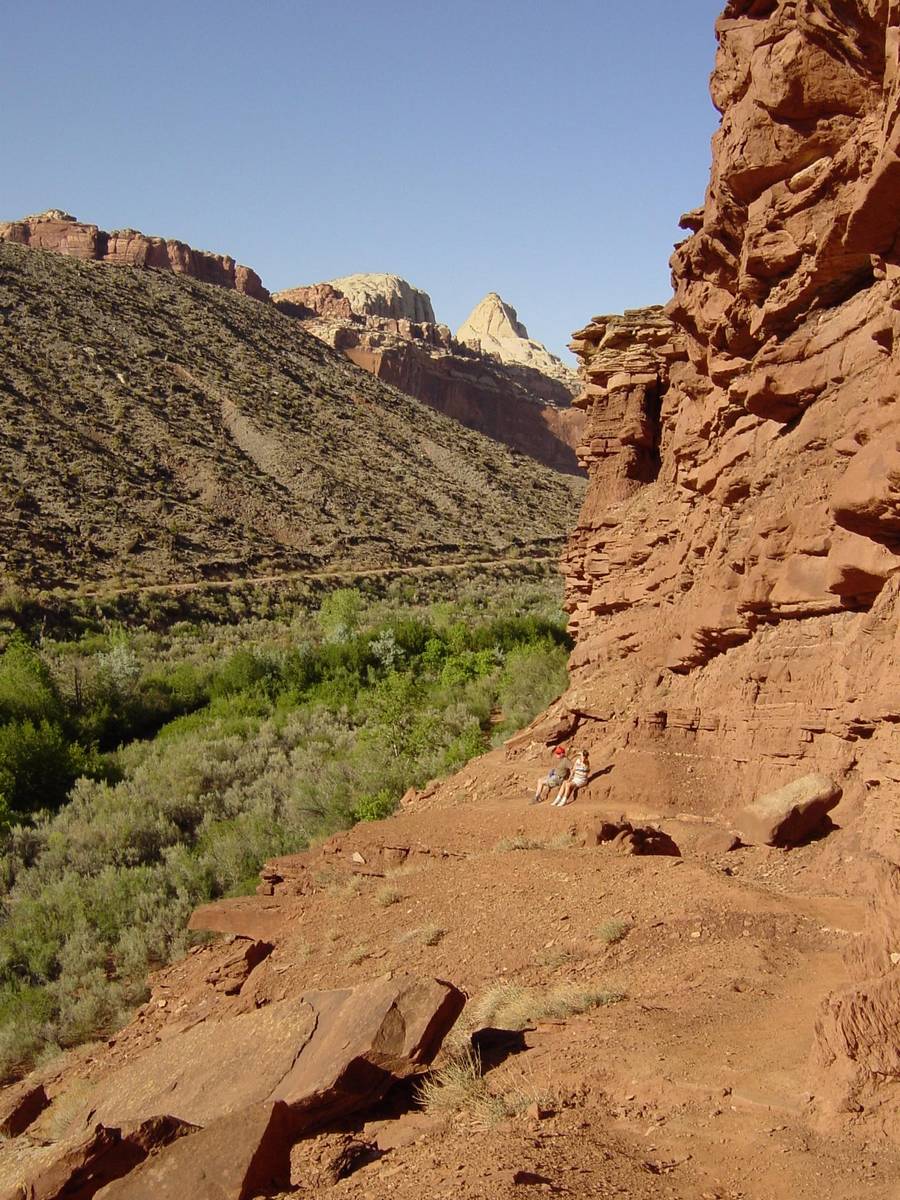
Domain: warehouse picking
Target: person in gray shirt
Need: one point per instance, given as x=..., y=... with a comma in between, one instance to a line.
x=555, y=777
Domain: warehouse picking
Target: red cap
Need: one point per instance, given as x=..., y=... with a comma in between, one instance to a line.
x=560, y=750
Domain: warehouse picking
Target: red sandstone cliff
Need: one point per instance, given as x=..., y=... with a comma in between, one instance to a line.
x=57, y=231
x=734, y=582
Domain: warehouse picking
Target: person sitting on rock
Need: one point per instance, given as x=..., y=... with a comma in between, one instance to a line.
x=557, y=775
x=575, y=782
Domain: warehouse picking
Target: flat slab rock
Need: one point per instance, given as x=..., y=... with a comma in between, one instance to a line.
x=237, y=1157
x=325, y=1054
x=790, y=815
x=82, y=1167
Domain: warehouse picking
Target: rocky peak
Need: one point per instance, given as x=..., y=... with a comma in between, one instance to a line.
x=493, y=328
x=387, y=296
x=491, y=318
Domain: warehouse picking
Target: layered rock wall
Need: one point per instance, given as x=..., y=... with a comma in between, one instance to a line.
x=387, y=327
x=58, y=232
x=734, y=583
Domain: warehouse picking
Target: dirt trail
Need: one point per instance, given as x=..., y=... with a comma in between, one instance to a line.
x=300, y=576
x=696, y=1085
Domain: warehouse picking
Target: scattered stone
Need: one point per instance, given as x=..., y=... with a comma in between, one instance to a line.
x=625, y=838
x=230, y=973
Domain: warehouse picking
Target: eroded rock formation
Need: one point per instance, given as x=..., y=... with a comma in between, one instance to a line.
x=59, y=232
x=493, y=328
x=734, y=583
x=507, y=386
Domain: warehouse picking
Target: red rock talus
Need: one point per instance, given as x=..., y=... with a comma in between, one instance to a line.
x=62, y=234
x=733, y=583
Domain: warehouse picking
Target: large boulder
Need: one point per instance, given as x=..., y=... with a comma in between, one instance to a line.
x=81, y=1168
x=790, y=815
x=325, y=1054
x=236, y=1158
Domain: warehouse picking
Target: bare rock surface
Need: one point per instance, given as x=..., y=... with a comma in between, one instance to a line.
x=386, y=296
x=325, y=1054
x=56, y=231
x=522, y=396
x=20, y=1106
x=734, y=582
x=235, y=1158
x=80, y=1169
x=493, y=328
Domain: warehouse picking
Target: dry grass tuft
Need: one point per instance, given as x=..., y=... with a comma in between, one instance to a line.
x=55, y=1123
x=387, y=896
x=509, y=1006
x=613, y=931
x=357, y=955
x=519, y=841
x=458, y=1086
x=426, y=935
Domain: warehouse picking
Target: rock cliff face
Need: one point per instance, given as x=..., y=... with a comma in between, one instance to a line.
x=734, y=583
x=388, y=327
x=57, y=231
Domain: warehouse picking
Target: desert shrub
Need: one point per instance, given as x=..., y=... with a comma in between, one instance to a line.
x=244, y=671
x=532, y=678
x=339, y=614
x=28, y=691
x=225, y=745
x=38, y=765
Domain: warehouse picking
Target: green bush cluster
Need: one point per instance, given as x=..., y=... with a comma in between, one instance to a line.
x=202, y=752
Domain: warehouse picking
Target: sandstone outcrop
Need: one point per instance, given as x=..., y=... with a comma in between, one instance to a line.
x=386, y=296
x=325, y=1054
x=56, y=231
x=517, y=392
x=734, y=582
x=235, y=1158
x=84, y=1167
x=20, y=1106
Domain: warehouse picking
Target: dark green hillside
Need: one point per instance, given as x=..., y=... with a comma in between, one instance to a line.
x=157, y=429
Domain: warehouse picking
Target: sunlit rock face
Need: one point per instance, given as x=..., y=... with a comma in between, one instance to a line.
x=495, y=379
x=733, y=583
x=60, y=233
x=493, y=328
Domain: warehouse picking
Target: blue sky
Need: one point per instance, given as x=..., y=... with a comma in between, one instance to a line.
x=544, y=150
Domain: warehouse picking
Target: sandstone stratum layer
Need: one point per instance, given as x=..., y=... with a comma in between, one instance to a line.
x=503, y=383
x=734, y=581
x=63, y=234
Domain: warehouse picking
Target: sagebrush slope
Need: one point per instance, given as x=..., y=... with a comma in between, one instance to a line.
x=156, y=428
